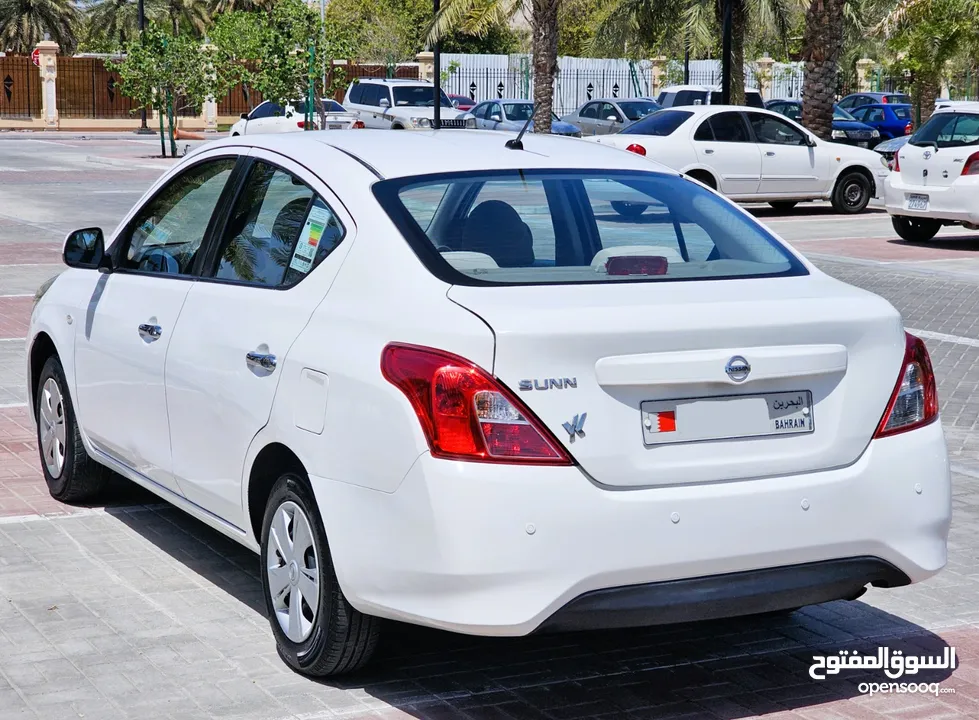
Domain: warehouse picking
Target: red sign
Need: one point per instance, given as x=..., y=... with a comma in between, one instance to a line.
x=36, y=57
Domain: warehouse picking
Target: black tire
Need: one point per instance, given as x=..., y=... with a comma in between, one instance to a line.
x=235, y=134
x=783, y=205
x=915, y=230
x=704, y=177
x=80, y=478
x=341, y=639
x=852, y=193
x=629, y=209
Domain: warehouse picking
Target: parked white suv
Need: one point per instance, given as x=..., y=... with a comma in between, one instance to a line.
x=394, y=104
x=702, y=95
x=935, y=179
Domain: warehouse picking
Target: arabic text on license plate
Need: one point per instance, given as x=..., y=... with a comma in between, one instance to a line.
x=334, y=126
x=917, y=202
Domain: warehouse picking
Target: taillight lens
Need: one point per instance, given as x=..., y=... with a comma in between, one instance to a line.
x=971, y=165
x=465, y=413
x=908, y=128
x=884, y=100
x=301, y=124
x=637, y=149
x=914, y=402
x=358, y=125
x=897, y=161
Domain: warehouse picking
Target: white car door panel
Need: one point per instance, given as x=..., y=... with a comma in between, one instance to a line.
x=788, y=165
x=227, y=356
x=121, y=350
x=722, y=143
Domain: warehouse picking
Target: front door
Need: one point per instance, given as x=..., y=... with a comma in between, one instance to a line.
x=789, y=167
x=724, y=146
x=272, y=267
x=122, y=343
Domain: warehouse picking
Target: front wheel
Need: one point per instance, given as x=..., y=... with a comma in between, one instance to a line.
x=318, y=632
x=915, y=230
x=71, y=475
x=852, y=193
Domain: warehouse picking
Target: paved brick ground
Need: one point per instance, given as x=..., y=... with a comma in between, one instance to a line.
x=137, y=611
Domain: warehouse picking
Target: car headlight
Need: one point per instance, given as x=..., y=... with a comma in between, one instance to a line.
x=421, y=122
x=883, y=161
x=875, y=133
x=470, y=122
x=839, y=134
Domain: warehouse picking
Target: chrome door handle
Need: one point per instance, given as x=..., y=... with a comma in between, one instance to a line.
x=266, y=361
x=708, y=151
x=150, y=332
x=770, y=153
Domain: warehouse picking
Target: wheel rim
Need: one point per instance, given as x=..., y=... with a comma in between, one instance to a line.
x=51, y=423
x=293, y=571
x=853, y=194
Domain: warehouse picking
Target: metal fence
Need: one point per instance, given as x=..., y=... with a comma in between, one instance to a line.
x=89, y=87
x=20, y=88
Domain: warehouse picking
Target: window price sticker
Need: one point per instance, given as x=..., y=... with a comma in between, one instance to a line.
x=309, y=239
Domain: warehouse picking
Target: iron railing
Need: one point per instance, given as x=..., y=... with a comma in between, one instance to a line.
x=20, y=88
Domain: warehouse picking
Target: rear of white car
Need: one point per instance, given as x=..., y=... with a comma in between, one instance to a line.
x=687, y=423
x=935, y=178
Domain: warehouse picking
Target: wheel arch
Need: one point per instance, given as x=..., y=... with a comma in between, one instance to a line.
x=42, y=348
x=847, y=169
x=702, y=174
x=268, y=466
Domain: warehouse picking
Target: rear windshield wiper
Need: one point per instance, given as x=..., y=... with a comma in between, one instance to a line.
x=925, y=143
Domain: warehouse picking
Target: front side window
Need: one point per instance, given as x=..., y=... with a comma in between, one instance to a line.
x=266, y=109
x=418, y=96
x=167, y=233
x=608, y=112
x=599, y=226
x=660, y=123
x=518, y=112
x=278, y=231
x=948, y=130
x=495, y=113
x=637, y=109
x=772, y=130
x=480, y=111
x=729, y=127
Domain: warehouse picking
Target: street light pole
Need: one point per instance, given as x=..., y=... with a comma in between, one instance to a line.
x=726, y=54
x=437, y=79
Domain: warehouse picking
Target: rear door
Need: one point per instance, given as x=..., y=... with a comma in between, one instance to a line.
x=275, y=260
x=788, y=165
x=724, y=144
x=588, y=118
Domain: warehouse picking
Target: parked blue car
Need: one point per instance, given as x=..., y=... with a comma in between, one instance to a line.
x=855, y=100
x=891, y=120
x=846, y=129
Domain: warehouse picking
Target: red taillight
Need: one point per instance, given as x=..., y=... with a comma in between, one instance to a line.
x=637, y=149
x=914, y=402
x=909, y=128
x=637, y=265
x=971, y=165
x=884, y=100
x=301, y=125
x=465, y=413
x=897, y=161
x=358, y=125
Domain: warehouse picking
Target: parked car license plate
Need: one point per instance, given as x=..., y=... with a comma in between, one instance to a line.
x=334, y=126
x=726, y=417
x=917, y=202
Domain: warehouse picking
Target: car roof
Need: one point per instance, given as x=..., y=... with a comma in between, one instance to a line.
x=393, y=81
x=969, y=106
x=706, y=88
x=422, y=152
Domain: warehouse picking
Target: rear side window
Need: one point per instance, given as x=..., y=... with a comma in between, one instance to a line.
x=949, y=130
x=729, y=127
x=660, y=123
x=902, y=113
x=601, y=226
x=753, y=99
x=356, y=93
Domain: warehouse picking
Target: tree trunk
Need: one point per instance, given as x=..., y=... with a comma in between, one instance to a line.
x=822, y=43
x=544, y=26
x=738, y=21
x=924, y=93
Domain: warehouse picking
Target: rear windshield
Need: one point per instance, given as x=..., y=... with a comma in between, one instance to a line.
x=898, y=99
x=903, y=113
x=600, y=226
x=659, y=123
x=949, y=129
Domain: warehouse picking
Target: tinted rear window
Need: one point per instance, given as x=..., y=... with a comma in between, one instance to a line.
x=949, y=129
x=601, y=226
x=753, y=99
x=659, y=123
x=904, y=113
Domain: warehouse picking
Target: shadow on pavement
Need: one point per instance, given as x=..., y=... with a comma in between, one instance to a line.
x=733, y=668
x=961, y=243
x=805, y=210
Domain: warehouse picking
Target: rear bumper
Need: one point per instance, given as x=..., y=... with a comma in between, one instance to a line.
x=500, y=550
x=957, y=203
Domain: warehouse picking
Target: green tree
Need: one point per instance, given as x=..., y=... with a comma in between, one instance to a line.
x=110, y=24
x=23, y=24
x=577, y=21
x=237, y=38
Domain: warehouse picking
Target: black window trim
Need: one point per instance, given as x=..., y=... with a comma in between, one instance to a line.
x=123, y=240
x=386, y=194
x=210, y=261
x=744, y=121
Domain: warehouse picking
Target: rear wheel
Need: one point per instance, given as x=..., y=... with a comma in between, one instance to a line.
x=915, y=229
x=71, y=475
x=705, y=177
x=629, y=209
x=783, y=205
x=852, y=193
x=317, y=631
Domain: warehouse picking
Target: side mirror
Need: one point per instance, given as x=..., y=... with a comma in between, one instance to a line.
x=496, y=118
x=86, y=249
x=612, y=118
x=385, y=103
x=244, y=116
x=810, y=141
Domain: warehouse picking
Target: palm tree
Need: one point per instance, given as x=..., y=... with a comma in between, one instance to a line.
x=195, y=13
x=117, y=21
x=476, y=17
x=23, y=24
x=223, y=6
x=821, y=47
x=655, y=23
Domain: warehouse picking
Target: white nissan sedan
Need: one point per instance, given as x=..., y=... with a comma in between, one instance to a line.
x=439, y=380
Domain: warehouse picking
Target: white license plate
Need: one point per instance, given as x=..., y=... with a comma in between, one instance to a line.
x=862, y=144
x=334, y=126
x=726, y=417
x=917, y=202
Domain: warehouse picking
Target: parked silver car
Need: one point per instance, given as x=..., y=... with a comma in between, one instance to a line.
x=610, y=115
x=510, y=115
